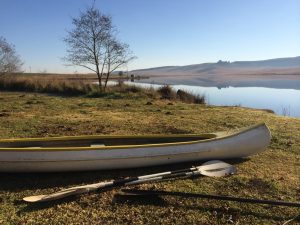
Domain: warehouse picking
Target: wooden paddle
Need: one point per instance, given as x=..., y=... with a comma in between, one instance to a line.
x=214, y=168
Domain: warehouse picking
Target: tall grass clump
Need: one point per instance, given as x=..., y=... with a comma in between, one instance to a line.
x=190, y=98
x=167, y=92
x=151, y=92
x=126, y=88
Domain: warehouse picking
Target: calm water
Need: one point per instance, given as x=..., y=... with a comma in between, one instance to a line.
x=281, y=101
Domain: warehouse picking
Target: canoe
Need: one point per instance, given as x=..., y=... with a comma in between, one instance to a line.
x=80, y=153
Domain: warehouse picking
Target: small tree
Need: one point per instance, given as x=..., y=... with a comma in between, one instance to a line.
x=9, y=60
x=117, y=55
x=92, y=45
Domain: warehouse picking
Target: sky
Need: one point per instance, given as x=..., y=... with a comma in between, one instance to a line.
x=159, y=32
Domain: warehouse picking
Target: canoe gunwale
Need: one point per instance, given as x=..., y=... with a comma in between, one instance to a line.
x=215, y=136
x=107, y=159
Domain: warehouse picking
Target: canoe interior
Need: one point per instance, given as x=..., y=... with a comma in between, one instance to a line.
x=100, y=141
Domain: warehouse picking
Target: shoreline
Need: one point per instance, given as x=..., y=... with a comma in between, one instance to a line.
x=269, y=81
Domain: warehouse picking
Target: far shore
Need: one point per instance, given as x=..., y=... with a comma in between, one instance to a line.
x=284, y=80
x=234, y=80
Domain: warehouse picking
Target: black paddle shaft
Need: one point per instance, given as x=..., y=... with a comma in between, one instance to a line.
x=174, y=174
x=217, y=197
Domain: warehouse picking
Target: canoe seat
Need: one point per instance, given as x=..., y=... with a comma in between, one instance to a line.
x=97, y=145
x=33, y=147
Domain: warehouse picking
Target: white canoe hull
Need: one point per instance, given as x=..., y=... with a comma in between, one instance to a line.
x=237, y=145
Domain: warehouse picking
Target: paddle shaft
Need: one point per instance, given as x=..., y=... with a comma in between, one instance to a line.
x=137, y=180
x=169, y=172
x=191, y=172
x=217, y=197
x=104, y=185
x=211, y=168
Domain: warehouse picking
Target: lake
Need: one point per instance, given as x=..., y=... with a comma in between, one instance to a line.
x=281, y=101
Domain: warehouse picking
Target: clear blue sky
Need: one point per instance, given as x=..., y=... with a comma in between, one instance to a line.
x=160, y=32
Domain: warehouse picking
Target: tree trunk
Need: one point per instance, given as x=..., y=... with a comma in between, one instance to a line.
x=100, y=82
x=106, y=80
x=107, y=75
x=102, y=69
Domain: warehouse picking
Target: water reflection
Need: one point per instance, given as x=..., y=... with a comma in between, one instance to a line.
x=281, y=101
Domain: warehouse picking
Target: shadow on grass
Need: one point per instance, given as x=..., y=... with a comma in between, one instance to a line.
x=109, y=95
x=17, y=182
x=30, y=207
x=136, y=200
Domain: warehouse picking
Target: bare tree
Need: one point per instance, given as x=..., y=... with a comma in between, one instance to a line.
x=9, y=60
x=90, y=44
x=117, y=55
x=85, y=42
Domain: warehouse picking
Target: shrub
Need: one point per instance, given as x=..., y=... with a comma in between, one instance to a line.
x=190, y=98
x=185, y=96
x=167, y=92
x=199, y=99
x=133, y=89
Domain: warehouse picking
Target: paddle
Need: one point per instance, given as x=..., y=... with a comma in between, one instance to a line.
x=214, y=168
x=137, y=192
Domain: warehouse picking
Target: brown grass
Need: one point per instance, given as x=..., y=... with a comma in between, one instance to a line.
x=45, y=84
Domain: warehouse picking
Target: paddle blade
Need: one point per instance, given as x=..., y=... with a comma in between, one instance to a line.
x=55, y=196
x=216, y=168
x=66, y=192
x=36, y=198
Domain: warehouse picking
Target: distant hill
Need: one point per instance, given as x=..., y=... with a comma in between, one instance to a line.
x=223, y=66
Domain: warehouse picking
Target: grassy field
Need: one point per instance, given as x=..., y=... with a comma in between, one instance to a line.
x=273, y=174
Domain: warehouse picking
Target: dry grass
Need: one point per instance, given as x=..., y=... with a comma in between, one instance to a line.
x=273, y=174
x=81, y=85
x=45, y=84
